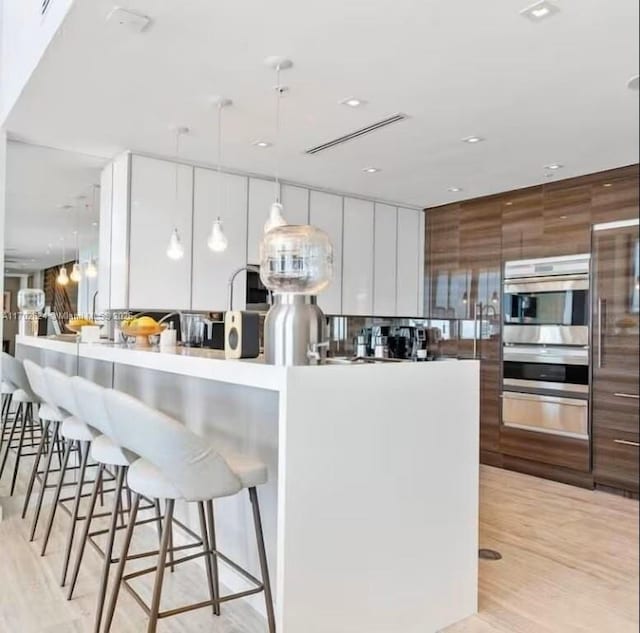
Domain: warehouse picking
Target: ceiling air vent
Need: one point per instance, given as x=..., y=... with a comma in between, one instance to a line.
x=395, y=118
x=45, y=6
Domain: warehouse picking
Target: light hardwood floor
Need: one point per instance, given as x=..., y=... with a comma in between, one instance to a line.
x=570, y=564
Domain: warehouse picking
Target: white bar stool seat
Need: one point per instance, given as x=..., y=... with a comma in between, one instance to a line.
x=7, y=388
x=105, y=451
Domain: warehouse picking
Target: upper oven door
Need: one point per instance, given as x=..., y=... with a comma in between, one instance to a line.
x=553, y=301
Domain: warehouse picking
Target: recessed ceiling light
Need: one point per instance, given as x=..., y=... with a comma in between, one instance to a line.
x=508, y=204
x=454, y=189
x=94, y=224
x=353, y=102
x=371, y=170
x=472, y=139
x=634, y=83
x=262, y=144
x=539, y=11
x=554, y=166
x=607, y=184
x=563, y=217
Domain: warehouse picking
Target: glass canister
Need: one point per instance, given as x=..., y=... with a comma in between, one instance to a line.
x=30, y=305
x=296, y=259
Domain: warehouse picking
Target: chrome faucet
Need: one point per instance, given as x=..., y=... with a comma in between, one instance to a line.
x=248, y=267
x=313, y=352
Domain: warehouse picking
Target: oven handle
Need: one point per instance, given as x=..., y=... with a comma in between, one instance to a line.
x=602, y=306
x=571, y=402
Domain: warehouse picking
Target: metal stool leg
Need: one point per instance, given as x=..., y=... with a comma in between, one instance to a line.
x=56, y=496
x=84, y=456
x=206, y=547
x=121, y=564
x=18, y=415
x=54, y=446
x=86, y=529
x=36, y=466
x=262, y=555
x=26, y=421
x=214, y=558
x=162, y=560
x=108, y=552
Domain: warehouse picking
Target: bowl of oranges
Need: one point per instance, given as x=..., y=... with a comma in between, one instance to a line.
x=76, y=324
x=141, y=328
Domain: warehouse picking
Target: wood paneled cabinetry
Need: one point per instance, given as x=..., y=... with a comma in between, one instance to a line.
x=616, y=388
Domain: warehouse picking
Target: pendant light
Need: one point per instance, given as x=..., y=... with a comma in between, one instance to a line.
x=276, y=217
x=175, y=250
x=218, y=241
x=76, y=275
x=62, y=279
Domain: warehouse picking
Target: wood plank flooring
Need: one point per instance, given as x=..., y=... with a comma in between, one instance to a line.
x=570, y=564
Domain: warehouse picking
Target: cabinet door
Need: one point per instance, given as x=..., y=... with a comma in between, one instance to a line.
x=616, y=388
x=104, y=240
x=357, y=258
x=119, y=248
x=325, y=212
x=295, y=201
x=155, y=281
x=410, y=254
x=385, y=260
x=615, y=199
x=262, y=194
x=444, y=292
x=523, y=225
x=567, y=219
x=225, y=196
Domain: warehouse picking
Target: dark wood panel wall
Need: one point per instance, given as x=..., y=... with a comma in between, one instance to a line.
x=467, y=244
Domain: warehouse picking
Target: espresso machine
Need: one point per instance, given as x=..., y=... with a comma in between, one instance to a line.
x=296, y=263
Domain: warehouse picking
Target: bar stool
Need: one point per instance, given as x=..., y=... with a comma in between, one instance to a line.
x=78, y=434
x=51, y=418
x=24, y=419
x=7, y=397
x=175, y=464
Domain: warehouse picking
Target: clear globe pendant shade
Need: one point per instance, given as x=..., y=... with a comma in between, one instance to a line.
x=76, y=275
x=275, y=218
x=62, y=278
x=217, y=241
x=175, y=250
x=91, y=270
x=296, y=259
x=30, y=300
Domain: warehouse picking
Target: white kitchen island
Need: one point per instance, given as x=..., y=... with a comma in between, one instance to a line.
x=371, y=510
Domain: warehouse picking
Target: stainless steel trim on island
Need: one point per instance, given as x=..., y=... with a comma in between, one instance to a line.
x=371, y=511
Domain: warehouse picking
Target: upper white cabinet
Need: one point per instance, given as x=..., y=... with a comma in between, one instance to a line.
x=262, y=194
x=384, y=261
x=119, y=248
x=325, y=212
x=295, y=201
x=222, y=195
x=410, y=262
x=155, y=281
x=357, y=257
x=104, y=240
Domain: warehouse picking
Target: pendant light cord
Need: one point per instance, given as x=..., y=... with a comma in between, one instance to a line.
x=175, y=211
x=220, y=107
x=277, y=134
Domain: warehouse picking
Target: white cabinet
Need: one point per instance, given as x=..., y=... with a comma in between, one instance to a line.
x=357, y=258
x=295, y=201
x=262, y=194
x=222, y=195
x=410, y=262
x=385, y=260
x=155, y=281
x=104, y=240
x=325, y=212
x=119, y=248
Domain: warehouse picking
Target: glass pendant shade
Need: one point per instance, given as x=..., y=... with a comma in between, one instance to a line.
x=296, y=259
x=217, y=241
x=76, y=275
x=91, y=270
x=31, y=300
x=63, y=278
x=275, y=218
x=175, y=250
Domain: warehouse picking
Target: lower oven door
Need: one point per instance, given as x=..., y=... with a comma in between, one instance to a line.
x=546, y=414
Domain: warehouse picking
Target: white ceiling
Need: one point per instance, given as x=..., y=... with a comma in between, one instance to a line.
x=39, y=179
x=539, y=93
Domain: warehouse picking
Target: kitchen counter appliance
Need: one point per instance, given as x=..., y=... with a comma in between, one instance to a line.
x=546, y=346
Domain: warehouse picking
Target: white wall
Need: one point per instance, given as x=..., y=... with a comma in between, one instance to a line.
x=3, y=177
x=24, y=38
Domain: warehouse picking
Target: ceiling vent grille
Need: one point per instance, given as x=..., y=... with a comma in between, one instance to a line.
x=44, y=6
x=395, y=118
